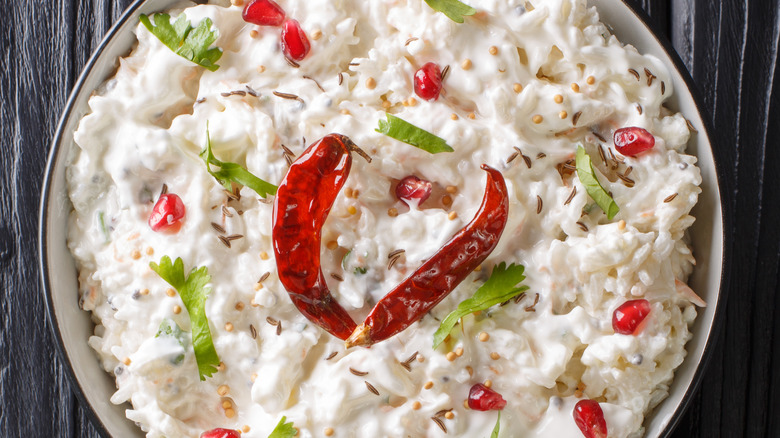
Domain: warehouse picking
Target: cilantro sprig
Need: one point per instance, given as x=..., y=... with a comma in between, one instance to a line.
x=500, y=287
x=404, y=131
x=193, y=292
x=283, y=430
x=184, y=40
x=453, y=9
x=232, y=172
x=588, y=178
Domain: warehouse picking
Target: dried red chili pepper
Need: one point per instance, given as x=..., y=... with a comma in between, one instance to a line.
x=297, y=229
x=438, y=276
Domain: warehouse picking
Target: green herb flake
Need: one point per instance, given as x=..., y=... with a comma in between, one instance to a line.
x=453, y=9
x=232, y=172
x=104, y=227
x=588, y=179
x=283, y=430
x=190, y=43
x=193, y=292
x=500, y=287
x=360, y=270
x=496, y=427
x=168, y=327
x=404, y=131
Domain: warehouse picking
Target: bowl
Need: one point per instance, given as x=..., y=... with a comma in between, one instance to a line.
x=72, y=326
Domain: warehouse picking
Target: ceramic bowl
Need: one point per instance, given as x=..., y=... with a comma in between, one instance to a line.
x=73, y=326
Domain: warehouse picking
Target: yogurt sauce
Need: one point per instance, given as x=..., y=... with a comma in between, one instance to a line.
x=507, y=65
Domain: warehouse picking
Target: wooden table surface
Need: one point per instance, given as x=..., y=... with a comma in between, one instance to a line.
x=729, y=46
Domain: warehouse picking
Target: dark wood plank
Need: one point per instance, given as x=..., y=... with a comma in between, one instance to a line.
x=730, y=47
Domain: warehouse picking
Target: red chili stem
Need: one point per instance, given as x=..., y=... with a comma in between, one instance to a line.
x=438, y=276
x=302, y=204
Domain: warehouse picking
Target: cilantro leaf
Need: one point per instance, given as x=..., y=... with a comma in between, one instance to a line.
x=168, y=327
x=193, y=292
x=234, y=172
x=283, y=430
x=453, y=9
x=184, y=40
x=501, y=286
x=588, y=178
x=404, y=131
x=496, y=427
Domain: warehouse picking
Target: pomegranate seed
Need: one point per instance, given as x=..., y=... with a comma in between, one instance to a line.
x=590, y=419
x=629, y=316
x=633, y=141
x=412, y=188
x=167, y=213
x=295, y=44
x=427, y=81
x=220, y=433
x=482, y=398
x=264, y=13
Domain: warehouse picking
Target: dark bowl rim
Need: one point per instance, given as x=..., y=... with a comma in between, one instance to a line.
x=726, y=202
x=44, y=213
x=714, y=143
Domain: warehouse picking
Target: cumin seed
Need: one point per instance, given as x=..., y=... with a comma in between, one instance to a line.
x=539, y=204
x=601, y=155
x=233, y=237
x=663, y=88
x=439, y=423
x=164, y=189
x=540, y=155
x=406, y=366
x=597, y=135
x=315, y=81
x=395, y=253
x=670, y=198
x=411, y=358
x=442, y=412
x=241, y=93
x=253, y=331
x=288, y=159
x=271, y=321
x=332, y=355
x=639, y=109
x=232, y=196
x=371, y=388
x=341, y=78
x=224, y=241
x=582, y=226
x=336, y=276
x=634, y=73
x=279, y=329
x=252, y=92
x=288, y=96
x=627, y=181
x=201, y=100
x=264, y=277
x=576, y=117
x=512, y=157
x=354, y=64
x=392, y=262
x=287, y=150
x=532, y=307
x=571, y=195
x=358, y=373
x=409, y=41
x=444, y=72
x=226, y=212
x=628, y=170
x=218, y=228
x=292, y=63
x=690, y=125
x=225, y=94
x=519, y=298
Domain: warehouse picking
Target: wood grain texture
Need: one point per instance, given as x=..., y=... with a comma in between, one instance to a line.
x=729, y=46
